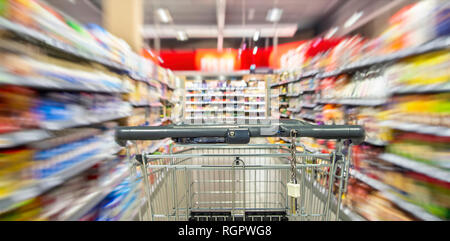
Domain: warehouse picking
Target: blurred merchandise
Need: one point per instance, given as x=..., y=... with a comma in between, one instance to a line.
x=65, y=88
x=395, y=85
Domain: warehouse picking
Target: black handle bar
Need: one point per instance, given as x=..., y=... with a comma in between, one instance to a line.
x=241, y=134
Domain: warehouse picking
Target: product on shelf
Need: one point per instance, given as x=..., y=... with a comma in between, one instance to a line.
x=372, y=205
x=230, y=101
x=429, y=149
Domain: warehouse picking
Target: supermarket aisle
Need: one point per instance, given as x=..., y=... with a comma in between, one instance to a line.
x=64, y=89
x=66, y=85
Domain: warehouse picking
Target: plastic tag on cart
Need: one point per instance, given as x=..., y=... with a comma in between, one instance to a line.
x=293, y=190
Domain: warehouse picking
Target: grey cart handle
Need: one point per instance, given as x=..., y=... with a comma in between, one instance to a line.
x=240, y=134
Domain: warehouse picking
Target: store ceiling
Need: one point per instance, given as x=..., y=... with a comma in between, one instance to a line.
x=199, y=17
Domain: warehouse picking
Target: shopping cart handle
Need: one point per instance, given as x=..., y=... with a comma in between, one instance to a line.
x=241, y=134
x=355, y=133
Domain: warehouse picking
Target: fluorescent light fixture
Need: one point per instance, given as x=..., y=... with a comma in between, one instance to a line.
x=164, y=15
x=255, y=50
x=352, y=20
x=256, y=36
x=332, y=32
x=182, y=36
x=274, y=15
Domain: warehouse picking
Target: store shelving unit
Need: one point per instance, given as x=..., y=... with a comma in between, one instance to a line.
x=36, y=188
x=417, y=166
x=60, y=84
x=203, y=99
x=89, y=202
x=130, y=77
x=19, y=138
x=415, y=127
x=391, y=195
x=297, y=111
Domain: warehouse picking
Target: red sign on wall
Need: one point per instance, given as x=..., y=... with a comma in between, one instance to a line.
x=212, y=61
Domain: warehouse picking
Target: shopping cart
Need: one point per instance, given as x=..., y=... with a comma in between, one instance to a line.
x=237, y=178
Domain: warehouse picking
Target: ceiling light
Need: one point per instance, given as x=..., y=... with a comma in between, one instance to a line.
x=274, y=15
x=182, y=36
x=256, y=36
x=164, y=15
x=352, y=20
x=332, y=32
x=255, y=50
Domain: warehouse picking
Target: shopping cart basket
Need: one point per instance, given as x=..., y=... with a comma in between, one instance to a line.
x=235, y=178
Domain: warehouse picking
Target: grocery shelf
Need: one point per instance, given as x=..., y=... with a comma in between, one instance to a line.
x=224, y=103
x=307, y=90
x=370, y=181
x=146, y=104
x=225, y=95
x=17, y=138
x=434, y=45
x=81, y=121
x=225, y=117
x=411, y=208
x=224, y=88
x=298, y=79
x=306, y=116
x=217, y=110
x=294, y=110
x=308, y=105
x=419, y=128
x=166, y=84
x=53, y=84
x=417, y=166
x=140, y=104
x=418, y=89
x=294, y=95
x=375, y=142
x=280, y=84
x=36, y=35
x=77, y=212
x=362, y=102
x=225, y=110
x=388, y=192
x=38, y=187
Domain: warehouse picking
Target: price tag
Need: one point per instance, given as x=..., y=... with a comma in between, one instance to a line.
x=293, y=190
